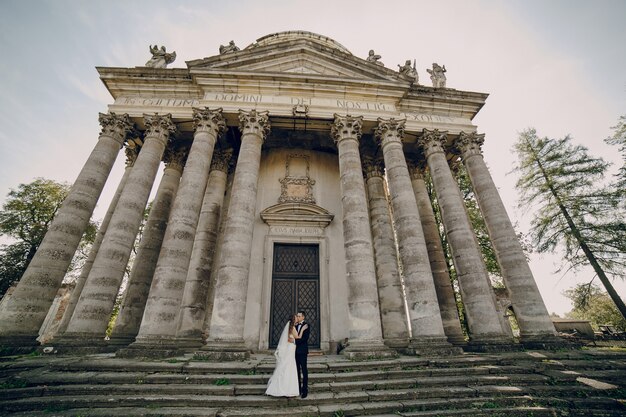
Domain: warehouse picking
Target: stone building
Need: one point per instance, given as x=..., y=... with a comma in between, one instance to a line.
x=293, y=179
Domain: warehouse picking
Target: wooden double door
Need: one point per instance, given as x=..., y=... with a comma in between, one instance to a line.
x=295, y=286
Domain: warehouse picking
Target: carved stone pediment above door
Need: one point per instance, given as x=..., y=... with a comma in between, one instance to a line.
x=296, y=218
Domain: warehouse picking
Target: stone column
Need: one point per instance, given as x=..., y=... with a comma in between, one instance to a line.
x=390, y=295
x=530, y=311
x=158, y=326
x=363, y=308
x=197, y=298
x=131, y=156
x=438, y=266
x=131, y=310
x=475, y=286
x=25, y=310
x=424, y=315
x=91, y=316
x=231, y=287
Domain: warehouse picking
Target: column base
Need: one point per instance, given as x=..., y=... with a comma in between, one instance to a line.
x=495, y=343
x=155, y=348
x=368, y=349
x=548, y=342
x=79, y=344
x=223, y=351
x=431, y=346
x=396, y=343
x=18, y=345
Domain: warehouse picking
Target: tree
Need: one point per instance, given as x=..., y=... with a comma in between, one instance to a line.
x=619, y=139
x=575, y=210
x=593, y=304
x=25, y=218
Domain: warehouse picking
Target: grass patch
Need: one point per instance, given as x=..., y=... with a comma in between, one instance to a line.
x=13, y=383
x=222, y=381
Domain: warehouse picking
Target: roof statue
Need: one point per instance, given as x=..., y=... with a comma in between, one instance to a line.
x=372, y=57
x=437, y=75
x=160, y=58
x=409, y=70
x=231, y=47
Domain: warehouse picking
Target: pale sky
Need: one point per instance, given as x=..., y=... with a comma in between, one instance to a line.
x=558, y=66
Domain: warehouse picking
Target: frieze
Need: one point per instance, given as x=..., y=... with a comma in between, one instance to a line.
x=296, y=230
x=155, y=101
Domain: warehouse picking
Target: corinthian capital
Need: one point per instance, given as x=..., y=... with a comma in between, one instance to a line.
x=346, y=127
x=115, y=126
x=432, y=141
x=175, y=157
x=133, y=146
x=416, y=166
x=373, y=167
x=222, y=160
x=205, y=120
x=160, y=126
x=389, y=130
x=254, y=122
x=469, y=144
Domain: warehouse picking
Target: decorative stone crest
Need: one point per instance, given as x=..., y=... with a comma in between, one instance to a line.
x=346, y=127
x=389, y=130
x=469, y=144
x=254, y=122
x=296, y=186
x=160, y=126
x=409, y=71
x=222, y=160
x=437, y=75
x=115, y=126
x=231, y=47
x=373, y=58
x=160, y=57
x=205, y=120
x=432, y=141
x=300, y=110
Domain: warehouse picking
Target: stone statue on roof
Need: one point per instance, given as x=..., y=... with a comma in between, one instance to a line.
x=409, y=70
x=437, y=75
x=160, y=57
x=372, y=57
x=231, y=47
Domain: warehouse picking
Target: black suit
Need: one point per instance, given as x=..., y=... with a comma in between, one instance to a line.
x=302, y=350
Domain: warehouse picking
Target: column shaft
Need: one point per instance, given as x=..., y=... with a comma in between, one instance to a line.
x=159, y=318
x=91, y=316
x=198, y=287
x=26, y=309
x=438, y=266
x=363, y=307
x=424, y=315
x=390, y=295
x=231, y=287
x=95, y=247
x=475, y=286
x=134, y=301
x=530, y=311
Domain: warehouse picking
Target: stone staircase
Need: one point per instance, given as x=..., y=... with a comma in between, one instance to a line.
x=568, y=383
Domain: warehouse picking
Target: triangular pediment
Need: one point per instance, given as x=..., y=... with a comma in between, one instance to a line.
x=297, y=56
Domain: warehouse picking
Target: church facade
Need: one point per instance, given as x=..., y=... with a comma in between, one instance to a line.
x=293, y=179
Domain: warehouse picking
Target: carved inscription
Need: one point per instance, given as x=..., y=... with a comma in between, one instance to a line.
x=168, y=102
x=296, y=230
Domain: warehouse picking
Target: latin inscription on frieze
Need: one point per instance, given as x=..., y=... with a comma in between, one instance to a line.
x=153, y=101
x=295, y=230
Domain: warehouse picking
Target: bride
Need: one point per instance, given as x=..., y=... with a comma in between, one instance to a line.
x=284, y=380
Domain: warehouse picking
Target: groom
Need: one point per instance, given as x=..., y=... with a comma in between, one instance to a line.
x=302, y=350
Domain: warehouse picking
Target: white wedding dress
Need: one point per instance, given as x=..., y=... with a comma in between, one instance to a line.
x=284, y=380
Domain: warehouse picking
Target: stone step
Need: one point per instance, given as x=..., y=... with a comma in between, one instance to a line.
x=90, y=397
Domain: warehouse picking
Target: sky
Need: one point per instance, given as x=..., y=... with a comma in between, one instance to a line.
x=557, y=66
